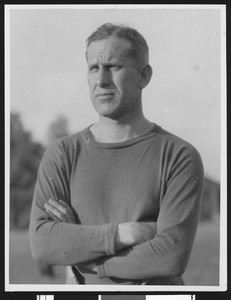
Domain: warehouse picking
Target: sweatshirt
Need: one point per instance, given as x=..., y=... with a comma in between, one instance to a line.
x=156, y=177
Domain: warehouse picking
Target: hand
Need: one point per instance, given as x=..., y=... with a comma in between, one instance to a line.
x=60, y=211
x=134, y=233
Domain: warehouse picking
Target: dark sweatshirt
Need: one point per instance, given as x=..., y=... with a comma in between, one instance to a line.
x=155, y=176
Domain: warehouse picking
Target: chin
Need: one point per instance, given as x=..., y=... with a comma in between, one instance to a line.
x=108, y=112
x=110, y=115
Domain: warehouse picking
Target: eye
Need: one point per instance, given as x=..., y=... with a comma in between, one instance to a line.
x=93, y=68
x=115, y=68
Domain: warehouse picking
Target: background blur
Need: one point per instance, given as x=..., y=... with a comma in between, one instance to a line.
x=49, y=98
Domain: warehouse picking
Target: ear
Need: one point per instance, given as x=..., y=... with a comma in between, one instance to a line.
x=145, y=76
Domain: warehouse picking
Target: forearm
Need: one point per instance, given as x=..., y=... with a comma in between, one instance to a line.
x=159, y=257
x=127, y=235
x=67, y=244
x=59, y=240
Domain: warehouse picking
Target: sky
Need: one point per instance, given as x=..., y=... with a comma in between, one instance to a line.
x=48, y=70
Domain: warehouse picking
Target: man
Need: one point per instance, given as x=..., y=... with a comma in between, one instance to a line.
x=124, y=194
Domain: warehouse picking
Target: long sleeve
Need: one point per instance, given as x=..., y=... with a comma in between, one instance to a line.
x=168, y=252
x=61, y=243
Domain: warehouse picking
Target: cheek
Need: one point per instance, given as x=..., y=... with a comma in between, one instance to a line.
x=126, y=85
x=120, y=83
x=91, y=84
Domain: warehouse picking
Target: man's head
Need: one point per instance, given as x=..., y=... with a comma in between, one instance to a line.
x=137, y=49
x=117, y=71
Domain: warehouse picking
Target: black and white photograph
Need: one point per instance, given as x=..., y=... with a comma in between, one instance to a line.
x=115, y=120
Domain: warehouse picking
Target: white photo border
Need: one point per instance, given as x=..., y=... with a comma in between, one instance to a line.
x=223, y=172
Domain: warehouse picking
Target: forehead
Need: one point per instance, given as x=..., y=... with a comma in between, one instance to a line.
x=108, y=49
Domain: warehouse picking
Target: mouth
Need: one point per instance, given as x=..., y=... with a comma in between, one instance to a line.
x=105, y=95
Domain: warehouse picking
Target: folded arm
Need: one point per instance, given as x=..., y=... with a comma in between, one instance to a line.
x=168, y=252
x=68, y=242
x=62, y=243
x=127, y=234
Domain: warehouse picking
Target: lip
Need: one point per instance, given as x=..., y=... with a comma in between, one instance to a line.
x=105, y=94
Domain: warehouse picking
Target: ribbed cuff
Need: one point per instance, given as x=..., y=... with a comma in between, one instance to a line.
x=110, y=232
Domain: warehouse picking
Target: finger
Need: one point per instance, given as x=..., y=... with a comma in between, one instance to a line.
x=70, y=214
x=63, y=203
x=59, y=214
x=62, y=211
x=57, y=205
x=53, y=217
x=67, y=206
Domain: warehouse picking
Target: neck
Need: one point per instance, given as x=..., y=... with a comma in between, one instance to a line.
x=111, y=131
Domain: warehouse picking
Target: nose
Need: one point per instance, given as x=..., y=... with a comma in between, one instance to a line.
x=103, y=78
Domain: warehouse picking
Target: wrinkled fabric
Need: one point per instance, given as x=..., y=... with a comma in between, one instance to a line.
x=156, y=176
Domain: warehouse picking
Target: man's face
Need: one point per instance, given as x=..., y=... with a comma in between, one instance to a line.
x=113, y=78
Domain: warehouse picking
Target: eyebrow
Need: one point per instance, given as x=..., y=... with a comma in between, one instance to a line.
x=107, y=64
x=93, y=65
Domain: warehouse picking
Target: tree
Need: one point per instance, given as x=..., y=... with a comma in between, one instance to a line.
x=58, y=128
x=25, y=156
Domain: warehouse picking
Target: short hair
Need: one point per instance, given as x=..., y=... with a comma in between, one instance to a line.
x=138, y=48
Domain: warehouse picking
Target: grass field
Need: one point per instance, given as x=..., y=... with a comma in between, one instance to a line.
x=203, y=267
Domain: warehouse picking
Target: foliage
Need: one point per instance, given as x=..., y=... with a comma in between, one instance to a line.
x=210, y=200
x=58, y=128
x=25, y=156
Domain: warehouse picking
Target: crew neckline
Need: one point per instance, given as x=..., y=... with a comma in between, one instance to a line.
x=89, y=139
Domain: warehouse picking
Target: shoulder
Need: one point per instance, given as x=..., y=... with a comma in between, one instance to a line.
x=64, y=147
x=179, y=157
x=176, y=147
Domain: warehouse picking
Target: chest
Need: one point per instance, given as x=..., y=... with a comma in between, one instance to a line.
x=116, y=186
